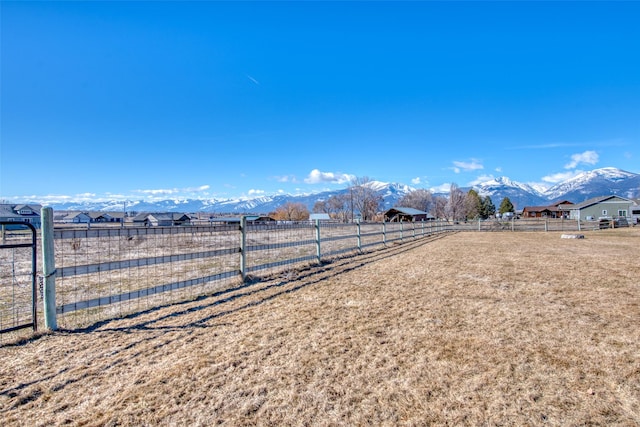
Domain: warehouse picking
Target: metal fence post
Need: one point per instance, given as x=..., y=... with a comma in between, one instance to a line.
x=578, y=223
x=359, y=237
x=243, y=247
x=401, y=230
x=384, y=233
x=48, y=269
x=546, y=224
x=318, y=253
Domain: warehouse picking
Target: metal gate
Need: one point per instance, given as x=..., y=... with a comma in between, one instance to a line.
x=18, y=291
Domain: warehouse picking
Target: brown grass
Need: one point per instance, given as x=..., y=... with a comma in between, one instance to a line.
x=469, y=329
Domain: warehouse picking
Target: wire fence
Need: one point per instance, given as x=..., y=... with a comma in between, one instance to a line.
x=111, y=272
x=103, y=273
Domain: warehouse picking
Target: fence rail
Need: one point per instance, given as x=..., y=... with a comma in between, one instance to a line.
x=103, y=273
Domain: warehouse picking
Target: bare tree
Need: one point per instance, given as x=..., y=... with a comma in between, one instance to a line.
x=364, y=198
x=472, y=204
x=440, y=206
x=291, y=212
x=339, y=207
x=455, y=207
x=320, y=207
x=420, y=199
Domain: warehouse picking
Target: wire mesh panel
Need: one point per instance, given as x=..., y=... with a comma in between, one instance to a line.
x=338, y=239
x=371, y=236
x=274, y=247
x=104, y=273
x=18, y=293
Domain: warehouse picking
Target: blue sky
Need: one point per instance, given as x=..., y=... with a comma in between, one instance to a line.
x=162, y=100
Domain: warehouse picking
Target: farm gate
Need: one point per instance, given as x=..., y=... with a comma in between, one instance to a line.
x=18, y=267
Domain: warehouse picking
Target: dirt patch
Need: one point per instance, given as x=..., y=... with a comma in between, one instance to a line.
x=469, y=329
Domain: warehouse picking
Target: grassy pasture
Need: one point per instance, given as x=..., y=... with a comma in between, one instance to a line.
x=467, y=329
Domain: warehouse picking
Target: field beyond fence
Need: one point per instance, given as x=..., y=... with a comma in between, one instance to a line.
x=465, y=329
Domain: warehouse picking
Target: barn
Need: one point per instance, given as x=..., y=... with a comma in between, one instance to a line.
x=402, y=214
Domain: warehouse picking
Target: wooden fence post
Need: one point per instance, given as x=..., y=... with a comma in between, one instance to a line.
x=48, y=269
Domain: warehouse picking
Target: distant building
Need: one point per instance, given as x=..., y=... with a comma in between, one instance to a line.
x=21, y=213
x=251, y=219
x=556, y=210
x=402, y=214
x=72, y=217
x=162, y=219
x=602, y=207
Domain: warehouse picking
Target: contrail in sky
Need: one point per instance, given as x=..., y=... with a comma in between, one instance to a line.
x=252, y=79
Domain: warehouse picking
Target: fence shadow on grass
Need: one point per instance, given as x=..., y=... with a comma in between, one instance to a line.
x=256, y=287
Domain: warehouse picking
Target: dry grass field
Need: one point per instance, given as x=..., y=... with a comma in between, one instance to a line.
x=468, y=329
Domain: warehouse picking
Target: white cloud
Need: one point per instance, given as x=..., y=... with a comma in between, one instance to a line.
x=560, y=176
x=317, y=177
x=443, y=188
x=416, y=180
x=253, y=192
x=588, y=158
x=472, y=165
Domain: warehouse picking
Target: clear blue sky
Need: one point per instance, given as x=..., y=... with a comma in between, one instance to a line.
x=157, y=100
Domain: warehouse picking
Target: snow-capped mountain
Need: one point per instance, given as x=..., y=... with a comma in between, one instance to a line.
x=520, y=194
x=598, y=182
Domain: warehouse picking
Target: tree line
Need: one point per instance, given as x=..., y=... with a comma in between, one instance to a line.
x=362, y=202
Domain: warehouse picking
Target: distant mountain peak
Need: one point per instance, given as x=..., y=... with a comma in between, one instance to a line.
x=598, y=182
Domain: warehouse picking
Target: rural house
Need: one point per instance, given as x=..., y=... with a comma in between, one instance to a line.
x=102, y=217
x=401, y=214
x=602, y=207
x=72, y=218
x=21, y=213
x=556, y=210
x=251, y=219
x=162, y=219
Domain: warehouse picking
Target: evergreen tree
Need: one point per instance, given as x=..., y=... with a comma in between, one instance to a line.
x=506, y=206
x=487, y=208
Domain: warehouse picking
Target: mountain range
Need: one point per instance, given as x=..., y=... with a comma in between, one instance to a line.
x=598, y=182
